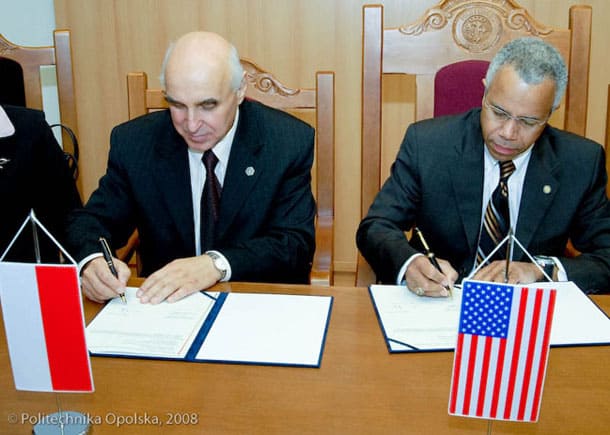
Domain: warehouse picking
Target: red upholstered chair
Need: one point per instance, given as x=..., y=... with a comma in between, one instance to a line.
x=451, y=32
x=458, y=87
x=316, y=105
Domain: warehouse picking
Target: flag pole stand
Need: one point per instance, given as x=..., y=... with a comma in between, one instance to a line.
x=62, y=422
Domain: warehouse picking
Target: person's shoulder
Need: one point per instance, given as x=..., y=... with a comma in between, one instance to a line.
x=567, y=143
x=461, y=119
x=24, y=115
x=271, y=117
x=149, y=122
x=437, y=131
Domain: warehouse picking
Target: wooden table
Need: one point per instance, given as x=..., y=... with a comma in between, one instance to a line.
x=359, y=388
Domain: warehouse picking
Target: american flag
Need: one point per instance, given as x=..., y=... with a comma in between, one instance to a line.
x=501, y=352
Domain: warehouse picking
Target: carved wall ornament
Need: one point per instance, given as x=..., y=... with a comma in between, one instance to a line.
x=265, y=82
x=519, y=19
x=477, y=25
x=477, y=29
x=433, y=19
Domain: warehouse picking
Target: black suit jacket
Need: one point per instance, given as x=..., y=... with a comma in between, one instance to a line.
x=436, y=183
x=33, y=175
x=266, y=223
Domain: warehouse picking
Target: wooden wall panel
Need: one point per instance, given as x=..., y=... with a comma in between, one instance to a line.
x=292, y=38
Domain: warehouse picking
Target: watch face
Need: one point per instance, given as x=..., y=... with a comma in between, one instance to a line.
x=220, y=265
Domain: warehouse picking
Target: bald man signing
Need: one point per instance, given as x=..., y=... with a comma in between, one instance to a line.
x=259, y=225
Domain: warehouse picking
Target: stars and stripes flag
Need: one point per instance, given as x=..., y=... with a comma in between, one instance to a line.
x=45, y=330
x=501, y=352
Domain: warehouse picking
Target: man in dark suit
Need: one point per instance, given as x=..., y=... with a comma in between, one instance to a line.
x=263, y=229
x=34, y=175
x=448, y=168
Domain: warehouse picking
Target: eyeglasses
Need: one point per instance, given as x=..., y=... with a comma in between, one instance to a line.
x=524, y=122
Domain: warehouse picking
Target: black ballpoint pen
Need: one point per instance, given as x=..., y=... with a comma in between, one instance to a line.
x=108, y=257
x=431, y=256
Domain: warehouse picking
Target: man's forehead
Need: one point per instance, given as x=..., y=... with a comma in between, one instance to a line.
x=198, y=87
x=193, y=95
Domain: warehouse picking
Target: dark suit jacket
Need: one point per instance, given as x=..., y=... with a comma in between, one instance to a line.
x=36, y=176
x=266, y=223
x=436, y=183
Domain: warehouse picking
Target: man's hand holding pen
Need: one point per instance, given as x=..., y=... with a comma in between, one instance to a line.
x=429, y=276
x=422, y=274
x=98, y=282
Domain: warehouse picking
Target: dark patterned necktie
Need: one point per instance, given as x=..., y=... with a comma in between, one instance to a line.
x=497, y=217
x=210, y=201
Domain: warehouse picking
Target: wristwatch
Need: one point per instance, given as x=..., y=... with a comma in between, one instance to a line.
x=220, y=263
x=547, y=264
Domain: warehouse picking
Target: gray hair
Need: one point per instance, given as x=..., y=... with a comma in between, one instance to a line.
x=534, y=60
x=237, y=70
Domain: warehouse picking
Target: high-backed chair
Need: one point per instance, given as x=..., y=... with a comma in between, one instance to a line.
x=264, y=87
x=29, y=60
x=449, y=33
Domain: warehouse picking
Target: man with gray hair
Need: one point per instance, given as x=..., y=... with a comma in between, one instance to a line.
x=217, y=186
x=466, y=181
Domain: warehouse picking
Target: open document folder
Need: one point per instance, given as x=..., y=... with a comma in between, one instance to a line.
x=412, y=323
x=249, y=328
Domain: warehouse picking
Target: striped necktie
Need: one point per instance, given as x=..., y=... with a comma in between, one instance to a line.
x=210, y=201
x=497, y=217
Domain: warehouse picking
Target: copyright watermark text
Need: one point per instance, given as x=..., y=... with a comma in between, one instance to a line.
x=110, y=418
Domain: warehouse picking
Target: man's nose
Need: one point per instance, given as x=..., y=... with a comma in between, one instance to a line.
x=510, y=129
x=193, y=121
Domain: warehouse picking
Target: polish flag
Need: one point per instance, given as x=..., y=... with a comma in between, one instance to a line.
x=45, y=329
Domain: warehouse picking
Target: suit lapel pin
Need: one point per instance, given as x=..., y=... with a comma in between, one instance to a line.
x=546, y=189
x=249, y=171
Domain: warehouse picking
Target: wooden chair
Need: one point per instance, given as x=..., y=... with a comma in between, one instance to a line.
x=451, y=32
x=264, y=87
x=30, y=59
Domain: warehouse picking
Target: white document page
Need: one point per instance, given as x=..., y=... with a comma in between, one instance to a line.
x=268, y=329
x=577, y=320
x=162, y=330
x=413, y=323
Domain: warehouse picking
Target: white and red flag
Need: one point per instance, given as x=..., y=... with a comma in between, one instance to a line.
x=501, y=352
x=45, y=330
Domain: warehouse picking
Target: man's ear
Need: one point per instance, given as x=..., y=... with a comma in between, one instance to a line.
x=484, y=87
x=241, y=92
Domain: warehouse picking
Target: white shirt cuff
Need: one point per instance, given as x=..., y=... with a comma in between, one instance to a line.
x=562, y=275
x=87, y=259
x=400, y=279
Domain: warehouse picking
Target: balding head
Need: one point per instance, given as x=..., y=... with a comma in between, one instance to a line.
x=204, y=84
x=197, y=50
